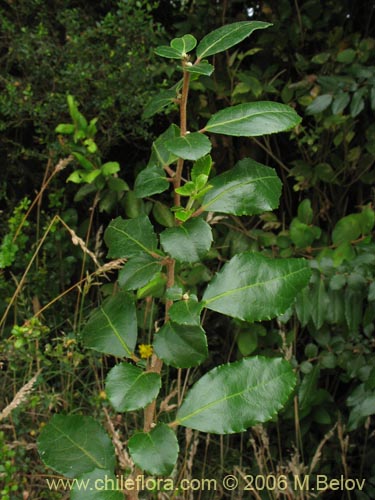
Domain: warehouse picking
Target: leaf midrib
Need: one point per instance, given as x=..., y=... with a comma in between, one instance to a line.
x=226, y=398
x=236, y=185
x=242, y=118
x=258, y=283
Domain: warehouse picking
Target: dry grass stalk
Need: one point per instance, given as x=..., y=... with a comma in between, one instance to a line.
x=124, y=459
x=318, y=453
x=19, y=398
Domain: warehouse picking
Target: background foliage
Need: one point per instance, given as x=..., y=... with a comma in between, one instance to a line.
x=317, y=58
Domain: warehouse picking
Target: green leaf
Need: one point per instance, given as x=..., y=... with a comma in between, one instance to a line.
x=201, y=167
x=112, y=327
x=347, y=229
x=233, y=397
x=367, y=220
x=156, y=451
x=130, y=388
x=247, y=342
x=181, y=346
x=138, y=271
x=340, y=102
x=105, y=489
x=200, y=68
x=319, y=104
x=129, y=238
x=357, y=105
x=160, y=155
x=305, y=212
x=167, y=52
x=319, y=303
x=163, y=215
x=303, y=306
x=227, y=36
x=186, y=312
x=346, y=56
x=66, y=445
x=188, y=242
x=158, y=102
x=189, y=147
x=84, y=162
x=110, y=168
x=184, y=44
x=155, y=287
x=65, y=128
x=151, y=180
x=248, y=189
x=253, y=119
x=301, y=234
x=252, y=287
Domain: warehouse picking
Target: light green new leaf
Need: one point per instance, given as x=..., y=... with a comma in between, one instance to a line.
x=200, y=68
x=233, y=397
x=227, y=36
x=252, y=287
x=66, y=445
x=167, y=52
x=112, y=327
x=186, y=312
x=110, y=168
x=129, y=238
x=156, y=451
x=130, y=388
x=188, y=242
x=189, y=147
x=151, y=180
x=347, y=229
x=248, y=189
x=253, y=119
x=184, y=44
x=160, y=155
x=181, y=346
x=158, y=102
x=106, y=486
x=138, y=271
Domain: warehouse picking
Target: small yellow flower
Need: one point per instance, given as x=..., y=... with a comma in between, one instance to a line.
x=102, y=395
x=145, y=350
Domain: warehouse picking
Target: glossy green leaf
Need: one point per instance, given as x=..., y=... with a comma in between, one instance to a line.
x=253, y=119
x=160, y=155
x=233, y=397
x=156, y=451
x=184, y=44
x=188, y=242
x=201, y=167
x=248, y=189
x=227, y=36
x=347, y=229
x=66, y=445
x=340, y=102
x=200, y=68
x=319, y=104
x=65, y=128
x=158, y=102
x=167, y=52
x=130, y=388
x=106, y=486
x=129, y=238
x=163, y=214
x=83, y=161
x=110, y=168
x=252, y=287
x=186, y=312
x=319, y=303
x=353, y=309
x=112, y=327
x=151, y=180
x=189, y=147
x=181, y=346
x=357, y=105
x=303, y=306
x=155, y=287
x=138, y=271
